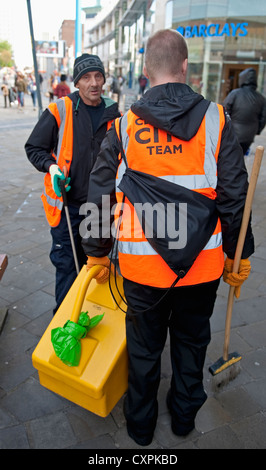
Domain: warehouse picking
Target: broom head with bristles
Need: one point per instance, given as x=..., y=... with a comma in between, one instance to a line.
x=222, y=364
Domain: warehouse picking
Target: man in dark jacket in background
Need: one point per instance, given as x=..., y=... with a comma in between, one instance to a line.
x=65, y=143
x=247, y=109
x=175, y=138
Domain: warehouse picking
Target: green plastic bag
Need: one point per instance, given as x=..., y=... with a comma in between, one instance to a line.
x=66, y=339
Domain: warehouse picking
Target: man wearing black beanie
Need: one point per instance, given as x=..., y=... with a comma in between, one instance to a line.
x=64, y=144
x=87, y=63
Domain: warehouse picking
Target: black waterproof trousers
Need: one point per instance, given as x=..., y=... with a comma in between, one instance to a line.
x=62, y=256
x=185, y=311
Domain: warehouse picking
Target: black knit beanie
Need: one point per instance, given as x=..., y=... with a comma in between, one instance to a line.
x=87, y=63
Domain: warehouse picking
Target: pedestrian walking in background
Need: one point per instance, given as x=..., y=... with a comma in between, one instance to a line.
x=143, y=82
x=50, y=88
x=5, y=92
x=115, y=89
x=62, y=89
x=55, y=81
x=108, y=85
x=177, y=146
x=64, y=144
x=247, y=109
x=13, y=96
x=21, y=87
x=32, y=89
x=40, y=80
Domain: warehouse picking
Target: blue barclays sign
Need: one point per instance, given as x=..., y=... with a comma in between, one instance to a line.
x=213, y=30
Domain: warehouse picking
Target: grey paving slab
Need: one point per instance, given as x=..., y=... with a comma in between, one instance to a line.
x=35, y=304
x=251, y=431
x=30, y=401
x=6, y=419
x=238, y=404
x=15, y=371
x=3, y=316
x=28, y=277
x=256, y=389
x=254, y=334
x=14, y=321
x=17, y=342
x=211, y=416
x=102, y=442
x=40, y=436
x=14, y=437
x=87, y=425
x=220, y=438
x=40, y=323
x=255, y=363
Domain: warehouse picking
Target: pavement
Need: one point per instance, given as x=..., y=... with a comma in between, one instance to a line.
x=33, y=417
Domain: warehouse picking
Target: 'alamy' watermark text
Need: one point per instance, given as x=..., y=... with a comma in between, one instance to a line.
x=155, y=220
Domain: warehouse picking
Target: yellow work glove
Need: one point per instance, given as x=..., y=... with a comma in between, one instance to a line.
x=236, y=279
x=103, y=275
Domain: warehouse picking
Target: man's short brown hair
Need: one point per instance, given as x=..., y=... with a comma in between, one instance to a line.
x=166, y=51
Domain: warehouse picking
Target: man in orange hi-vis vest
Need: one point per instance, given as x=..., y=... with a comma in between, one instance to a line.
x=178, y=175
x=65, y=143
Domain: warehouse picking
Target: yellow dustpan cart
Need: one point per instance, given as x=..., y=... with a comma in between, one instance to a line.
x=100, y=379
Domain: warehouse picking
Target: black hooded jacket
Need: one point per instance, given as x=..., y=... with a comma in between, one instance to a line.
x=177, y=109
x=246, y=107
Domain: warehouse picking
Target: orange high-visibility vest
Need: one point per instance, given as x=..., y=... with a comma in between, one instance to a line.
x=62, y=110
x=63, y=113
x=192, y=164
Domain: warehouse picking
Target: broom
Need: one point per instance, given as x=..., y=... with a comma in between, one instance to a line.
x=64, y=196
x=226, y=368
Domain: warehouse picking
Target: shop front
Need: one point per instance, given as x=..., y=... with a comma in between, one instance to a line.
x=223, y=39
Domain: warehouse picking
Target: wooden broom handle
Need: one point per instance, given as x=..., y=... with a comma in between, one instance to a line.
x=240, y=243
x=248, y=206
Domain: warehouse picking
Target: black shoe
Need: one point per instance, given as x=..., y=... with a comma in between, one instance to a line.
x=182, y=429
x=178, y=428
x=140, y=440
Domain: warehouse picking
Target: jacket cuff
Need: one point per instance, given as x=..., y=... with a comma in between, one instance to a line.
x=48, y=163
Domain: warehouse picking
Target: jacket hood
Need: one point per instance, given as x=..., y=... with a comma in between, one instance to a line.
x=248, y=77
x=173, y=107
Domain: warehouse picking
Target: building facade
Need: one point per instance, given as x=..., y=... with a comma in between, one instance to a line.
x=224, y=37
x=118, y=35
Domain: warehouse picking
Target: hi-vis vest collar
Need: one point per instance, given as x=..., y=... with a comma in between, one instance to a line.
x=63, y=112
x=191, y=164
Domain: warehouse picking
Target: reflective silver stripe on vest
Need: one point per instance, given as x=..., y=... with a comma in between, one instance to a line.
x=121, y=170
x=124, y=133
x=212, y=129
x=53, y=202
x=188, y=181
x=136, y=248
x=122, y=167
x=144, y=248
x=214, y=242
x=61, y=106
